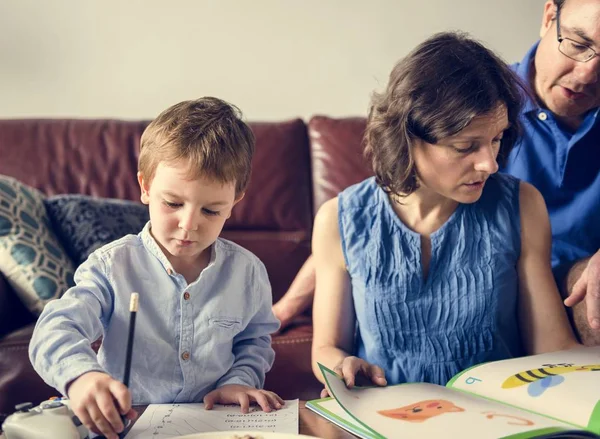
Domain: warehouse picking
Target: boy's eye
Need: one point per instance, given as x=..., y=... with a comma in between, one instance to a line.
x=172, y=205
x=210, y=212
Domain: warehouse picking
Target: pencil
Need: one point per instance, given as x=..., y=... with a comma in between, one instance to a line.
x=133, y=307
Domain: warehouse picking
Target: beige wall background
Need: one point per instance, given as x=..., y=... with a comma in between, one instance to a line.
x=275, y=59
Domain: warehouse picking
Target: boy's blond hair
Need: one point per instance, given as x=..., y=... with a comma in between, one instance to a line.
x=208, y=133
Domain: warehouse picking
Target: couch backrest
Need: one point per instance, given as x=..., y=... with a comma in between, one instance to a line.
x=336, y=156
x=99, y=157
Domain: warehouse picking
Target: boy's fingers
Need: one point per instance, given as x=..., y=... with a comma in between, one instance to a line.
x=274, y=400
x=208, y=401
x=100, y=422
x=107, y=408
x=263, y=401
x=85, y=419
x=122, y=395
x=244, y=402
x=131, y=415
x=280, y=400
x=324, y=393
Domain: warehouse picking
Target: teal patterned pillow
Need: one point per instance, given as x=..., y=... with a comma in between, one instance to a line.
x=31, y=258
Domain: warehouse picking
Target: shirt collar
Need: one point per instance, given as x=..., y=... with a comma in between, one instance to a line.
x=523, y=70
x=153, y=247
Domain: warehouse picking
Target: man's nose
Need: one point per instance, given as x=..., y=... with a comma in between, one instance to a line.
x=587, y=72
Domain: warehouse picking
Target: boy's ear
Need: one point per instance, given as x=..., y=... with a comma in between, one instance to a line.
x=237, y=200
x=144, y=188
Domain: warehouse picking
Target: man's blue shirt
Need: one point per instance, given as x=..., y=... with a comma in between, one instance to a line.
x=565, y=167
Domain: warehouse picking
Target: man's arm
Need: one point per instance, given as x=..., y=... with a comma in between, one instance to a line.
x=583, y=281
x=299, y=296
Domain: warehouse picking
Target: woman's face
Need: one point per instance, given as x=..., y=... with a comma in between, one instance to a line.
x=458, y=166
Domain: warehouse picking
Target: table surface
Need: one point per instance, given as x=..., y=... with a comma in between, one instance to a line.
x=311, y=424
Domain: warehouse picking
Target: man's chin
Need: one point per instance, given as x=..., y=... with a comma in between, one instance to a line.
x=566, y=108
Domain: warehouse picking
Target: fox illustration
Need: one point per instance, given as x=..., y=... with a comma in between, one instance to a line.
x=422, y=410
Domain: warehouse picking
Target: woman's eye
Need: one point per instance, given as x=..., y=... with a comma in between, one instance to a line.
x=210, y=212
x=463, y=150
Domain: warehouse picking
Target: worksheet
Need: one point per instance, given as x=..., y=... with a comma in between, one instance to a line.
x=171, y=420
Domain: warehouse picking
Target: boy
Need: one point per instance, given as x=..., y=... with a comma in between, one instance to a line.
x=202, y=330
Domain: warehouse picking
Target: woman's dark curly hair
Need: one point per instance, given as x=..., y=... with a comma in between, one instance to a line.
x=433, y=93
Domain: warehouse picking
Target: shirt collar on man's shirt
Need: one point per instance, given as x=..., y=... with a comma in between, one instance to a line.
x=523, y=70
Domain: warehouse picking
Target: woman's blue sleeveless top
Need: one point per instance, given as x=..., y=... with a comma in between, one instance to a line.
x=463, y=313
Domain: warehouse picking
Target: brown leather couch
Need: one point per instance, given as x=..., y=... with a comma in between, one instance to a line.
x=297, y=167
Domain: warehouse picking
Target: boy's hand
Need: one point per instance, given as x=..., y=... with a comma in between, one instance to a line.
x=93, y=396
x=243, y=395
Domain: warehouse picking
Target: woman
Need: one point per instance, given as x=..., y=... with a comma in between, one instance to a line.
x=437, y=263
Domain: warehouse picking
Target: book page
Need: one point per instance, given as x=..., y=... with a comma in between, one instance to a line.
x=425, y=410
x=564, y=385
x=161, y=421
x=331, y=410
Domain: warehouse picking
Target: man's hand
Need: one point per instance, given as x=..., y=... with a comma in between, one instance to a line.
x=93, y=396
x=588, y=287
x=243, y=395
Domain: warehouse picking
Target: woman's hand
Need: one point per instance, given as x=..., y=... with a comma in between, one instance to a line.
x=356, y=371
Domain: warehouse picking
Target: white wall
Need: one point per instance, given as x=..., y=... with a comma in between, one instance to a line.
x=275, y=59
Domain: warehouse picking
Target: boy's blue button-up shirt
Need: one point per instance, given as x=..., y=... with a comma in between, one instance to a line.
x=565, y=167
x=185, y=345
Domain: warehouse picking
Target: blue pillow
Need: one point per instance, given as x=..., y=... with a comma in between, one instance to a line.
x=31, y=257
x=84, y=224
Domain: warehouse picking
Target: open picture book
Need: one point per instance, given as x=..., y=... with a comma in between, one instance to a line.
x=543, y=396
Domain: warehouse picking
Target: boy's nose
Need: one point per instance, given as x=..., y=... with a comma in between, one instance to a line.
x=188, y=222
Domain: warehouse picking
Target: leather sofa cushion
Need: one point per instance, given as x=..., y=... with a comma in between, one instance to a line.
x=337, y=156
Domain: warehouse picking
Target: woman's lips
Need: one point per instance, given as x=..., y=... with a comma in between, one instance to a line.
x=474, y=186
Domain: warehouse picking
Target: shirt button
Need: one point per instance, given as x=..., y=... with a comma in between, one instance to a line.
x=542, y=116
x=186, y=295
x=169, y=271
x=185, y=356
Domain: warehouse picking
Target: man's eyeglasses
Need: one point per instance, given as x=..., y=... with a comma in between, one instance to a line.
x=571, y=48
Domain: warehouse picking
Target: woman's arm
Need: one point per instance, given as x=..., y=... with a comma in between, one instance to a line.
x=333, y=309
x=543, y=320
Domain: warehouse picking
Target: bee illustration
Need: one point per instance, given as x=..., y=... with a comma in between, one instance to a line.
x=549, y=375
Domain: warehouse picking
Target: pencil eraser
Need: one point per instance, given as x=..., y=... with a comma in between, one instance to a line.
x=133, y=302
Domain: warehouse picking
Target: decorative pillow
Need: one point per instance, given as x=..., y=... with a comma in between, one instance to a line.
x=31, y=258
x=84, y=224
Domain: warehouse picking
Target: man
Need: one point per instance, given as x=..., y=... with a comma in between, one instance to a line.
x=559, y=154
x=560, y=150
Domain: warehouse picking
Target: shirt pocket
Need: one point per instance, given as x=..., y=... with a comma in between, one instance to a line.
x=225, y=326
